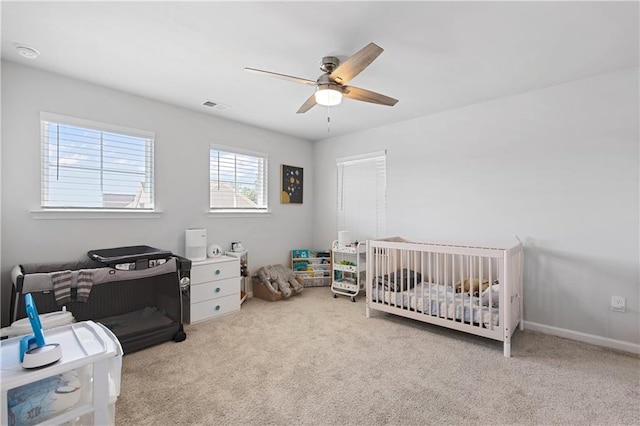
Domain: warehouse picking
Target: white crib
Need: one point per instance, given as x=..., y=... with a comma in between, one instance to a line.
x=425, y=281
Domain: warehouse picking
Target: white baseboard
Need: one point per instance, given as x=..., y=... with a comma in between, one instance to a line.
x=583, y=337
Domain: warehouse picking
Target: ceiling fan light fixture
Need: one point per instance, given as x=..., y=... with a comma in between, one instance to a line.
x=328, y=95
x=331, y=86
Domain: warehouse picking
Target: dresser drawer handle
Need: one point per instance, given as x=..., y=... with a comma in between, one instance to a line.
x=217, y=307
x=217, y=289
x=217, y=271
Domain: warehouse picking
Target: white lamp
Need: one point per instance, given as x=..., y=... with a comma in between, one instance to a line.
x=328, y=95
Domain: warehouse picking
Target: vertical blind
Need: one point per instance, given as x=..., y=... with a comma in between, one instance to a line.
x=362, y=195
x=238, y=180
x=95, y=166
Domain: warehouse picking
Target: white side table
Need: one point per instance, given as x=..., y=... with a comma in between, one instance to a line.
x=244, y=271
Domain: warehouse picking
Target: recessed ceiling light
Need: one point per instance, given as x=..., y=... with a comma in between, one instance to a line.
x=27, y=52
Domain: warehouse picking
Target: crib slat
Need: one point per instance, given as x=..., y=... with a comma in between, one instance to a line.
x=476, y=303
x=385, y=272
x=437, y=277
x=422, y=284
x=453, y=275
x=492, y=279
x=400, y=276
x=429, y=264
x=415, y=280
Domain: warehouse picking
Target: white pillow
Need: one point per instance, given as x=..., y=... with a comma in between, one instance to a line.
x=495, y=297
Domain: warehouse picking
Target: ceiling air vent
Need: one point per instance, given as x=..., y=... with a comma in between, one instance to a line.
x=216, y=105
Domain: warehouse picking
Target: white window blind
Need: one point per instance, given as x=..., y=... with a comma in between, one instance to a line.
x=238, y=180
x=90, y=165
x=362, y=195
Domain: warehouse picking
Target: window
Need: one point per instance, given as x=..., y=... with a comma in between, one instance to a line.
x=89, y=165
x=238, y=180
x=362, y=195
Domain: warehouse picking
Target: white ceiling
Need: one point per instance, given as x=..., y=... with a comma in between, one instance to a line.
x=438, y=55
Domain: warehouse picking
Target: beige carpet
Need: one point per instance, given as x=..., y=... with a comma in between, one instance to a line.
x=318, y=360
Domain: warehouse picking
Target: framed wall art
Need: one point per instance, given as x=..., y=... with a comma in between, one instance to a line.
x=292, y=184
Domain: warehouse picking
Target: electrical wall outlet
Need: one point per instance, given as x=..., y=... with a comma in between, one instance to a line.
x=618, y=303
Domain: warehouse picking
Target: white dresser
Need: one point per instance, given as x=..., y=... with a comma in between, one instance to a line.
x=215, y=288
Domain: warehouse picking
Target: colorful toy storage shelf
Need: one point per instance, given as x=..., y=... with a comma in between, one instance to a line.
x=312, y=268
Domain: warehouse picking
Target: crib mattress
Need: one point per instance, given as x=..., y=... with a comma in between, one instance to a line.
x=441, y=301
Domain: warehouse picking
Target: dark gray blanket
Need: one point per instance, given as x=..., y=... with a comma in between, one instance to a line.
x=401, y=280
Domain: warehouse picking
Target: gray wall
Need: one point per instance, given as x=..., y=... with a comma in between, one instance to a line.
x=558, y=167
x=182, y=169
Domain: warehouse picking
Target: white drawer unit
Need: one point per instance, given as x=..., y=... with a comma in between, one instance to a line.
x=215, y=288
x=79, y=389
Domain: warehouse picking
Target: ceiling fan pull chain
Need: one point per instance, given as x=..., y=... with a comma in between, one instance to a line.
x=328, y=120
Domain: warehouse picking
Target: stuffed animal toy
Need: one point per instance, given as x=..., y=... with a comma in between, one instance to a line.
x=283, y=278
x=472, y=284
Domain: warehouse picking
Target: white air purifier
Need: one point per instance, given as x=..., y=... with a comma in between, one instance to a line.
x=344, y=238
x=196, y=244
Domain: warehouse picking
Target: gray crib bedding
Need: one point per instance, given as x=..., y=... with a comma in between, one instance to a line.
x=441, y=301
x=382, y=295
x=410, y=298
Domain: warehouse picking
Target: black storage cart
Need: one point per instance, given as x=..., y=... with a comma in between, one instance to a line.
x=136, y=292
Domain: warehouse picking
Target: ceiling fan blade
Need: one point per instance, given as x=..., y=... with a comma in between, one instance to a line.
x=308, y=104
x=356, y=63
x=359, y=94
x=283, y=76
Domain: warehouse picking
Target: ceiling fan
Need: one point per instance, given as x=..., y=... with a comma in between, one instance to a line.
x=332, y=85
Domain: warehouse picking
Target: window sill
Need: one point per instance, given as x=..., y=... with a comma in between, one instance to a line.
x=94, y=214
x=238, y=213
